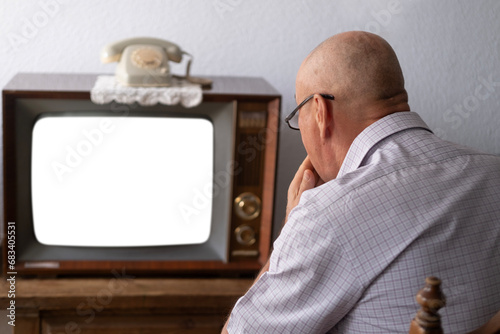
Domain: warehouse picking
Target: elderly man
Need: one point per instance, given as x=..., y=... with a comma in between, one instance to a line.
x=379, y=204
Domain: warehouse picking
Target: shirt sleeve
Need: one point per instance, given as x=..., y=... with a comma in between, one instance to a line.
x=310, y=286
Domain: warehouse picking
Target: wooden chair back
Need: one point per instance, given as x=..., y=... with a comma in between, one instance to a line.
x=428, y=321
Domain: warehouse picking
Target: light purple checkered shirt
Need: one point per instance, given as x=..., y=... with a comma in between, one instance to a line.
x=355, y=251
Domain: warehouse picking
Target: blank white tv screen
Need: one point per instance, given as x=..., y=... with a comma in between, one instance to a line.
x=122, y=181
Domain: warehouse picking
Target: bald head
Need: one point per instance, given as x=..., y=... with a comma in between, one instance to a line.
x=356, y=67
x=362, y=72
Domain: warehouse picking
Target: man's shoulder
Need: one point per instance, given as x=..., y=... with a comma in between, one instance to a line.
x=395, y=182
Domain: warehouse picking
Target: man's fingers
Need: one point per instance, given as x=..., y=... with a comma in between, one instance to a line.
x=308, y=181
x=306, y=178
x=299, y=175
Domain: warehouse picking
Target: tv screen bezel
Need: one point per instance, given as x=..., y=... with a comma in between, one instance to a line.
x=32, y=252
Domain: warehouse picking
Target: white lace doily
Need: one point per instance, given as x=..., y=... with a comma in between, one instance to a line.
x=107, y=89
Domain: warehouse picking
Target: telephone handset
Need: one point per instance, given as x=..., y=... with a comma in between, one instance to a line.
x=143, y=61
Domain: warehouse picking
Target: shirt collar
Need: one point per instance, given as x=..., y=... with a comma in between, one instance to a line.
x=376, y=132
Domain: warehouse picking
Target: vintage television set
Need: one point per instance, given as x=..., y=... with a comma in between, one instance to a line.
x=156, y=190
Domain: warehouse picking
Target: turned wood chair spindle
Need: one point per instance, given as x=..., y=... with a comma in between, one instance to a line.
x=431, y=299
x=428, y=321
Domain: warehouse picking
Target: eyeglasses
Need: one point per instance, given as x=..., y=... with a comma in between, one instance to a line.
x=293, y=122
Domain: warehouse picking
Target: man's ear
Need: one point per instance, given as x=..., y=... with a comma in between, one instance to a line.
x=324, y=116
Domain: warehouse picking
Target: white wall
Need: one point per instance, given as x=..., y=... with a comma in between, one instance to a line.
x=448, y=50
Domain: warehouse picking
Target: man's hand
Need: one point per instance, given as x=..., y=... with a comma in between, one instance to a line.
x=306, y=178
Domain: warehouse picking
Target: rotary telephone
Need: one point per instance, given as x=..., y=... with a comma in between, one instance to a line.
x=143, y=61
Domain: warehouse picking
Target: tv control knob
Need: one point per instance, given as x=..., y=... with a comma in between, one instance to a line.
x=247, y=206
x=245, y=235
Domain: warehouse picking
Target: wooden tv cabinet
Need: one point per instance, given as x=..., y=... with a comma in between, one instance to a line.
x=94, y=296
x=122, y=305
x=247, y=169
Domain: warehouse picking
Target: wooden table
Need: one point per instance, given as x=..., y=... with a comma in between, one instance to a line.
x=122, y=305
